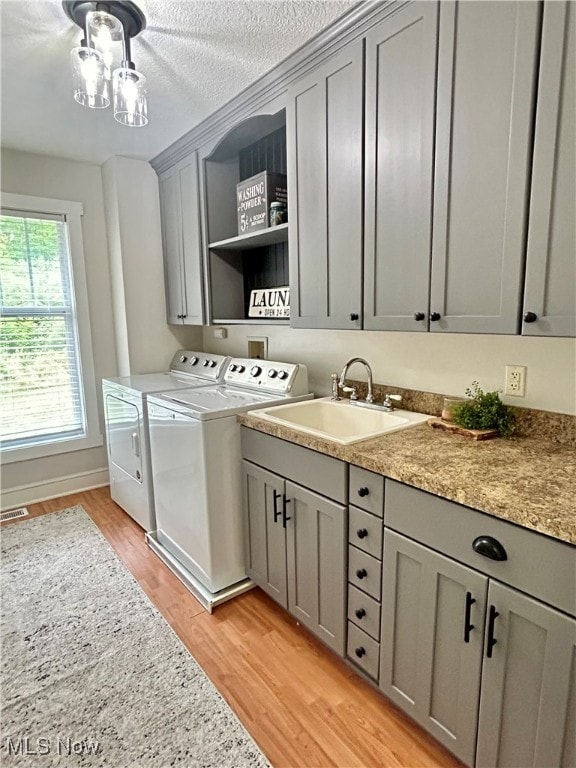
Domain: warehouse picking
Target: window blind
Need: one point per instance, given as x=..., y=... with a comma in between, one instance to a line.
x=41, y=397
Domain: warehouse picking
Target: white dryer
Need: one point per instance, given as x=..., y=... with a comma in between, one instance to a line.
x=196, y=469
x=127, y=426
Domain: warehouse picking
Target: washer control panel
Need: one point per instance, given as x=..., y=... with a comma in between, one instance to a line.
x=201, y=364
x=268, y=376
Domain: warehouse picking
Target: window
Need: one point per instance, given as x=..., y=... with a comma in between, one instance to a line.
x=47, y=388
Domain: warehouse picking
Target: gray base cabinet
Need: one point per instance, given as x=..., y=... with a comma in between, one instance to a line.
x=462, y=651
x=295, y=537
x=182, y=242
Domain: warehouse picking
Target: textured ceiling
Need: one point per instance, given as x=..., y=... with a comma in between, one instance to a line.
x=196, y=55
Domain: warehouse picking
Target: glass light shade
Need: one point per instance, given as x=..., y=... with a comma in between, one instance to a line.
x=104, y=28
x=130, y=104
x=91, y=86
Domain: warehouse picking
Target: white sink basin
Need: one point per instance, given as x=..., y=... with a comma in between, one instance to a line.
x=340, y=421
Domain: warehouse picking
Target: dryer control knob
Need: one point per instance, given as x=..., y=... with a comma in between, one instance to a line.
x=206, y=363
x=282, y=375
x=212, y=363
x=234, y=367
x=256, y=370
x=193, y=361
x=272, y=373
x=182, y=358
x=241, y=368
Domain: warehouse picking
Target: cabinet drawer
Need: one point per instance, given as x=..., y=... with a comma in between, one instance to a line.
x=364, y=572
x=311, y=469
x=364, y=611
x=365, y=532
x=363, y=651
x=535, y=564
x=367, y=490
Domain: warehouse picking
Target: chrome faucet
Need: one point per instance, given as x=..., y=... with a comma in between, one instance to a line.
x=341, y=383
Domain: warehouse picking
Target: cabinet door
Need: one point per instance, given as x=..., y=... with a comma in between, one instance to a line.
x=486, y=76
x=172, y=244
x=431, y=641
x=550, y=293
x=191, y=241
x=528, y=707
x=400, y=101
x=324, y=135
x=264, y=535
x=316, y=548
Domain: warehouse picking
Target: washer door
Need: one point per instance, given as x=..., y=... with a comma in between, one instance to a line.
x=123, y=425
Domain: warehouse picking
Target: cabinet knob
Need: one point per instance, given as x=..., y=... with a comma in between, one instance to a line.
x=354, y=316
x=434, y=316
x=361, y=573
x=360, y=613
x=361, y=533
x=360, y=652
x=530, y=317
x=363, y=491
x=419, y=315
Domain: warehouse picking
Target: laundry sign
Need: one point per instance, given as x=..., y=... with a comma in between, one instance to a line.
x=270, y=302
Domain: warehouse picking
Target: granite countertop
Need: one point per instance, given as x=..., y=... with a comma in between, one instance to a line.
x=530, y=482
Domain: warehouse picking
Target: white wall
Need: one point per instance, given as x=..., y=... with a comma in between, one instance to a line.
x=445, y=364
x=29, y=174
x=144, y=342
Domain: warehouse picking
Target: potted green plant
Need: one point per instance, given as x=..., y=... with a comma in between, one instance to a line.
x=484, y=410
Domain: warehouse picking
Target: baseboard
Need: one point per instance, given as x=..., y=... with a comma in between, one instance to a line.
x=49, y=489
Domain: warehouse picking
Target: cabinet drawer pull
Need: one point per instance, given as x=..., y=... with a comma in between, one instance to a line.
x=489, y=547
x=361, y=533
x=354, y=316
x=363, y=491
x=360, y=652
x=419, y=316
x=285, y=517
x=361, y=573
x=434, y=316
x=491, y=639
x=467, y=626
x=277, y=512
x=360, y=613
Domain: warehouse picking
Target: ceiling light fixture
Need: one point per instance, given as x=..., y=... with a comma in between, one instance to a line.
x=103, y=25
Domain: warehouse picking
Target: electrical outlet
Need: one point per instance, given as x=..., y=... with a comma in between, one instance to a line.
x=515, y=384
x=220, y=333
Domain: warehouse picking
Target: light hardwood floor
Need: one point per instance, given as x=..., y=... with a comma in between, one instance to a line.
x=303, y=706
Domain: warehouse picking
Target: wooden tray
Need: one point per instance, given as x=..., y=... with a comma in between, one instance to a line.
x=475, y=434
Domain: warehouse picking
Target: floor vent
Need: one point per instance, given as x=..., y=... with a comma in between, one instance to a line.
x=13, y=514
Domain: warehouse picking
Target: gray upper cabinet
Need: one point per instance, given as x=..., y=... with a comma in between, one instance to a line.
x=486, y=82
x=400, y=91
x=182, y=242
x=324, y=137
x=550, y=295
x=528, y=702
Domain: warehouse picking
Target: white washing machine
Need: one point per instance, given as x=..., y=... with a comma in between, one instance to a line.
x=196, y=471
x=127, y=426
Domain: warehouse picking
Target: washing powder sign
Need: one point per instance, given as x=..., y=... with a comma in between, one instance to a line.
x=270, y=302
x=253, y=198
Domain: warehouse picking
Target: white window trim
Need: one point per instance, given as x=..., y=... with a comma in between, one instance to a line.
x=93, y=437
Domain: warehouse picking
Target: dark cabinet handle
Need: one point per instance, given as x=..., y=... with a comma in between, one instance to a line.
x=467, y=626
x=179, y=317
x=489, y=547
x=360, y=613
x=363, y=491
x=277, y=512
x=361, y=573
x=419, y=315
x=285, y=517
x=530, y=317
x=354, y=316
x=434, y=316
x=360, y=652
x=361, y=533
x=491, y=639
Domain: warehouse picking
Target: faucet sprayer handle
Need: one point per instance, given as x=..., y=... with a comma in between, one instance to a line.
x=335, y=395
